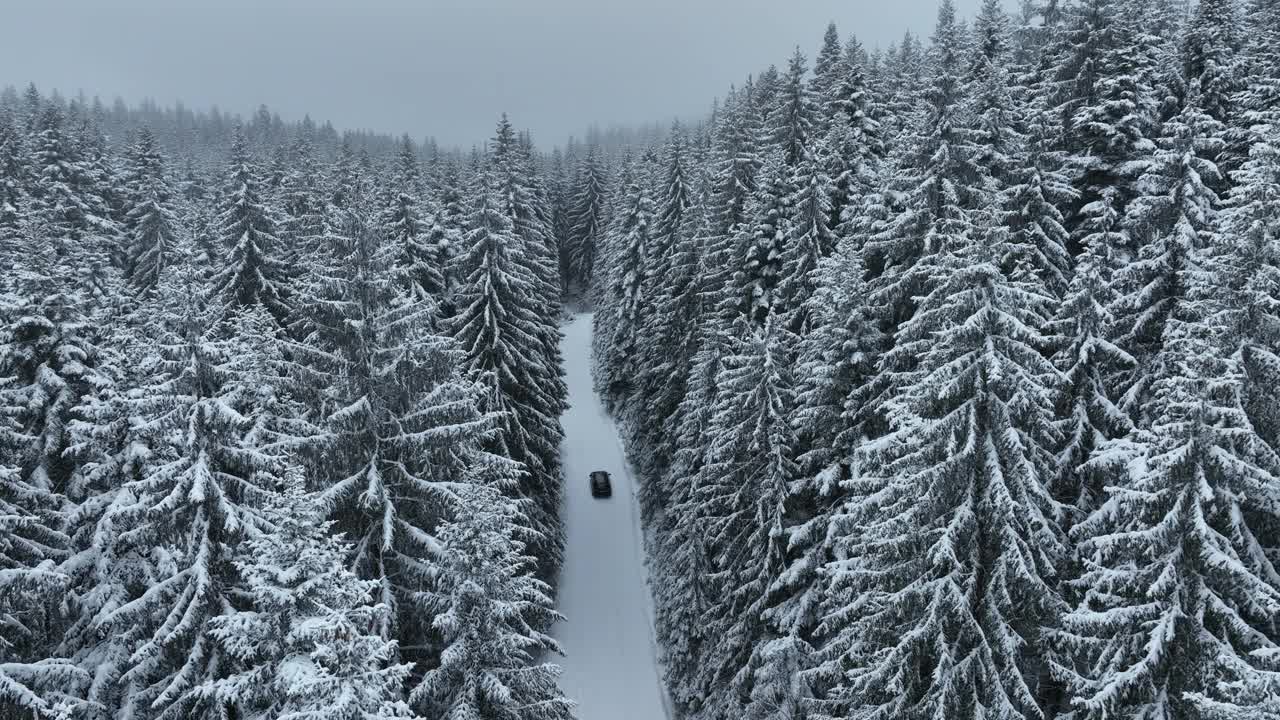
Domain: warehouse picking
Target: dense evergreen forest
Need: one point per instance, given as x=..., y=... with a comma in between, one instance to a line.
x=951, y=372
x=279, y=420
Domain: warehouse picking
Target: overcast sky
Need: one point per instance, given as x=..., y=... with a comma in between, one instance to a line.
x=446, y=68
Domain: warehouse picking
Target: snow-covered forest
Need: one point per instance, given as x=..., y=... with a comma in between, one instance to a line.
x=279, y=420
x=949, y=374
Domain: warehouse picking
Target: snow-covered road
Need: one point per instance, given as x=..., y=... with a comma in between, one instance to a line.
x=610, y=663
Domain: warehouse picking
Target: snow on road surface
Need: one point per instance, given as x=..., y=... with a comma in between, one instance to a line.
x=610, y=664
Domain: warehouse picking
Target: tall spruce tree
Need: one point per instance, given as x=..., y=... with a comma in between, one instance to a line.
x=151, y=225
x=827, y=69
x=853, y=148
x=251, y=271
x=1247, y=272
x=488, y=608
x=749, y=293
x=1179, y=594
x=1211, y=61
x=413, y=234
x=836, y=365
x=524, y=202
x=14, y=161
x=691, y=585
x=671, y=273
x=1089, y=416
x=744, y=485
x=588, y=221
x=402, y=424
x=66, y=206
x=497, y=327
x=811, y=239
x=618, y=358
x=195, y=498
x=942, y=190
x=309, y=645
x=47, y=366
x=451, y=216
x=1108, y=105
x=300, y=201
x=948, y=549
x=1259, y=92
x=834, y=368
x=52, y=362
x=1172, y=217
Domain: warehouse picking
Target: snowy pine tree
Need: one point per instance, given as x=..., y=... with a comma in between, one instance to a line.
x=1210, y=46
x=940, y=191
x=51, y=364
x=496, y=325
x=483, y=596
x=523, y=201
x=46, y=365
x=251, y=272
x=300, y=199
x=309, y=644
x=750, y=292
x=409, y=228
x=808, y=192
x=1179, y=593
x=13, y=168
x=193, y=500
x=828, y=67
x=1246, y=267
x=671, y=268
x=744, y=485
x=618, y=359
x=151, y=226
x=1106, y=103
x=401, y=424
x=1090, y=416
x=1172, y=217
x=948, y=544
x=66, y=207
x=588, y=221
x=836, y=366
x=852, y=151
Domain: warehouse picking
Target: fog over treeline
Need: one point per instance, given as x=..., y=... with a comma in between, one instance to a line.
x=445, y=68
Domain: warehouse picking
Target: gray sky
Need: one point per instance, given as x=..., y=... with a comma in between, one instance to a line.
x=442, y=67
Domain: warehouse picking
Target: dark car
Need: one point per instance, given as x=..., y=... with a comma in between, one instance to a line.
x=600, y=486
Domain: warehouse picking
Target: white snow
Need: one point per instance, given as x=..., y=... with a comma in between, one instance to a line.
x=610, y=664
